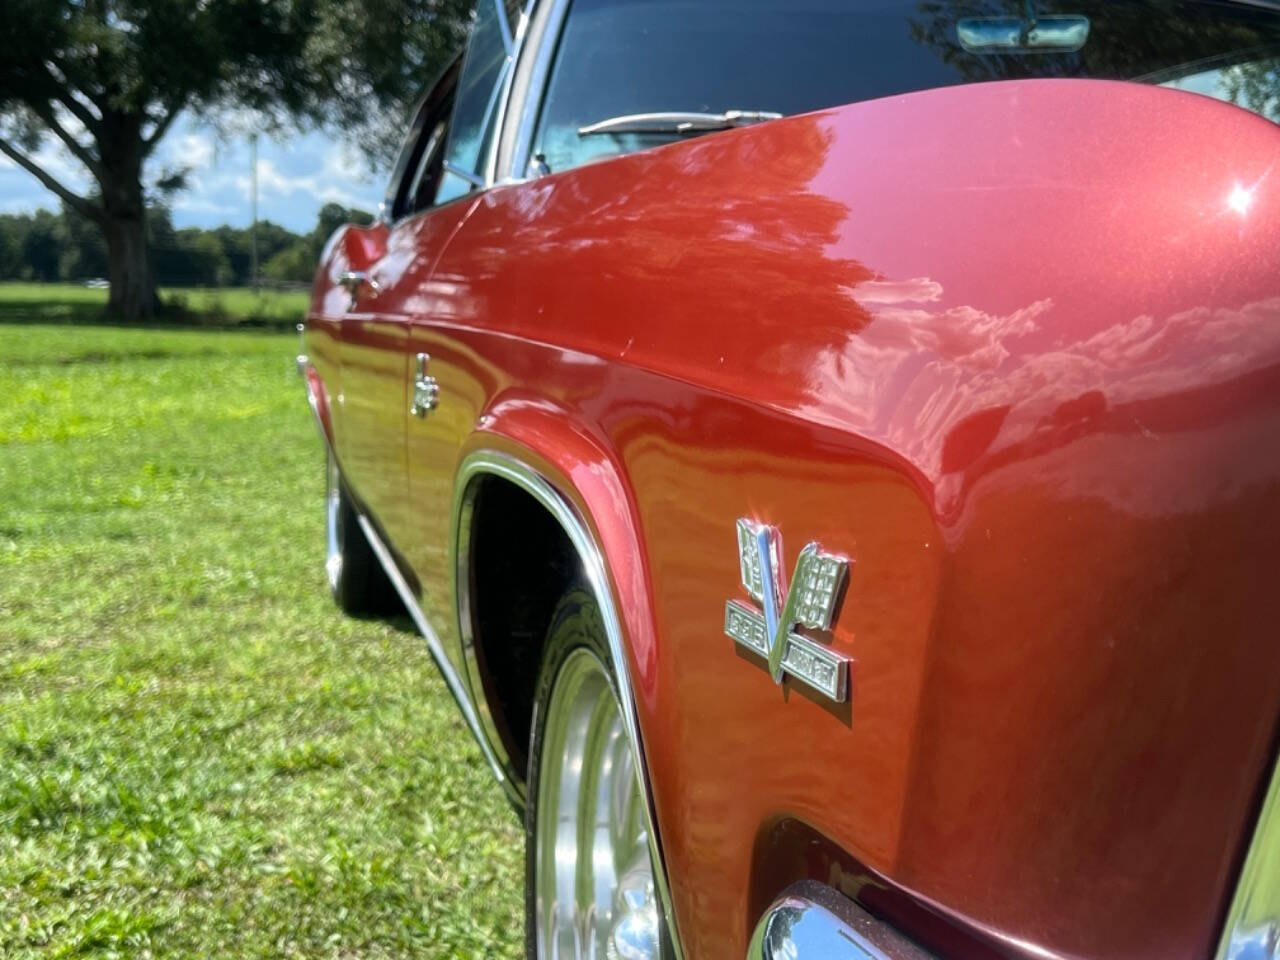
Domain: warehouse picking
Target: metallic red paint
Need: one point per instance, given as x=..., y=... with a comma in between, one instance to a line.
x=1015, y=349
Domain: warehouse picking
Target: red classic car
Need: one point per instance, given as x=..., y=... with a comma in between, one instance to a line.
x=832, y=451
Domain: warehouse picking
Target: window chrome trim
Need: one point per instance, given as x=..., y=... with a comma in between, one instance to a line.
x=811, y=921
x=1252, y=929
x=493, y=463
x=505, y=26
x=528, y=108
x=504, y=100
x=480, y=179
x=475, y=180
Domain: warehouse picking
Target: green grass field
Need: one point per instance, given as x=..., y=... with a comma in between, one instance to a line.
x=72, y=303
x=199, y=756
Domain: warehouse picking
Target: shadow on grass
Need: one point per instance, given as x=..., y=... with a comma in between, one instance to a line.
x=124, y=356
x=62, y=306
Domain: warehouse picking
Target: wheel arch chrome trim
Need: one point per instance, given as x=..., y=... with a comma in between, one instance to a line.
x=488, y=462
x=466, y=488
x=811, y=921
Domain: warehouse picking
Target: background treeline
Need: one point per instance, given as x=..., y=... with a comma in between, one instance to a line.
x=65, y=246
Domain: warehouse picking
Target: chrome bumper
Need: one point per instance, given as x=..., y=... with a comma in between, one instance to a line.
x=810, y=921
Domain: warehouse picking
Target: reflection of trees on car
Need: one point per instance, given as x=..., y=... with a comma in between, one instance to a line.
x=1231, y=49
x=1255, y=86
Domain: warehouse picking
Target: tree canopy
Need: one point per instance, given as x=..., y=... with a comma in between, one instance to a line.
x=48, y=247
x=108, y=78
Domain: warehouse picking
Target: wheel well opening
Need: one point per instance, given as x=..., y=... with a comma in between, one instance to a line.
x=521, y=563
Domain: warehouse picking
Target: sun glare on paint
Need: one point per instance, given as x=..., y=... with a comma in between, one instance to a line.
x=1239, y=200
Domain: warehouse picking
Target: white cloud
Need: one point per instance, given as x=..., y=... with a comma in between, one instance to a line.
x=192, y=150
x=198, y=204
x=297, y=175
x=56, y=161
x=15, y=205
x=343, y=164
x=324, y=186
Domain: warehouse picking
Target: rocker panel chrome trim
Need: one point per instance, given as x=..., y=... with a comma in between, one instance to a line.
x=455, y=683
x=810, y=921
x=493, y=463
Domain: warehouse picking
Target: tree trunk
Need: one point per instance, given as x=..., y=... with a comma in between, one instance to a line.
x=133, y=289
x=124, y=218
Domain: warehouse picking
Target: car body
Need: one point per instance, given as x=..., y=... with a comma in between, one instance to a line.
x=1008, y=351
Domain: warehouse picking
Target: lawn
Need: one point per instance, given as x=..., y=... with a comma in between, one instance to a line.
x=234, y=306
x=199, y=756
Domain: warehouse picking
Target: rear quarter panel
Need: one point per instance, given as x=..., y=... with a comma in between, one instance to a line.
x=1015, y=350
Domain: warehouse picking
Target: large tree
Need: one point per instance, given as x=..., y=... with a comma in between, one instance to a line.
x=108, y=78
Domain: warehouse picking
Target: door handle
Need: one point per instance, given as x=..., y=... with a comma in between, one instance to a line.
x=426, y=389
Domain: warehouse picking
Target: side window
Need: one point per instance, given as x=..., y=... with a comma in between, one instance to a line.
x=426, y=180
x=484, y=72
x=420, y=166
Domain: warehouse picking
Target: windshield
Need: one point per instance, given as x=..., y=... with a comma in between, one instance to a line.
x=618, y=58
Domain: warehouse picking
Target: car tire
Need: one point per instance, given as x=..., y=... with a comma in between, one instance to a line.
x=584, y=795
x=357, y=581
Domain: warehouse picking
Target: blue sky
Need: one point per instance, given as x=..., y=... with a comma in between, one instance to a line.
x=296, y=176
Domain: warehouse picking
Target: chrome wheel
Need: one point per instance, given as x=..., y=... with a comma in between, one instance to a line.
x=593, y=876
x=332, y=523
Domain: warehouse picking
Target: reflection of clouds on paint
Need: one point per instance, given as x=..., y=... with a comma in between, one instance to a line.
x=920, y=378
x=1145, y=358
x=915, y=290
x=963, y=335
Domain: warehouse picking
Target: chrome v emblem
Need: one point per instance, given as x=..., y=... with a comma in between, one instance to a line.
x=811, y=601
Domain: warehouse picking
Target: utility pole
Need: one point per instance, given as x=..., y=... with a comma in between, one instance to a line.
x=253, y=230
